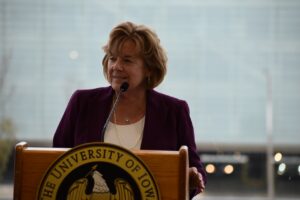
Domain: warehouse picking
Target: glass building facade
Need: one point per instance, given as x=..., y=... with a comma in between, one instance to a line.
x=236, y=63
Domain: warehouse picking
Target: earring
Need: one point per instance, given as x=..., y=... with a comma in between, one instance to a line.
x=149, y=80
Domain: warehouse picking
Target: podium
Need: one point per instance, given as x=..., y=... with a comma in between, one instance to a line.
x=169, y=169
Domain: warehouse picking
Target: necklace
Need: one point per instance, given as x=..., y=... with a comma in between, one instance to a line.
x=132, y=117
x=128, y=121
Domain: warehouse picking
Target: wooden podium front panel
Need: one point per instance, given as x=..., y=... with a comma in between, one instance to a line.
x=169, y=168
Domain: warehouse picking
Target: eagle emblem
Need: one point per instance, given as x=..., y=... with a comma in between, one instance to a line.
x=100, y=190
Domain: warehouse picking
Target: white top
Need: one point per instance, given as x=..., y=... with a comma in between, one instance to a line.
x=128, y=136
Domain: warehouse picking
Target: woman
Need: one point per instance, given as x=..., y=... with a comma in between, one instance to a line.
x=143, y=118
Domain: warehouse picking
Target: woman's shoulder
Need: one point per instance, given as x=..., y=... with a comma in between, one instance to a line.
x=161, y=102
x=93, y=90
x=94, y=93
x=165, y=98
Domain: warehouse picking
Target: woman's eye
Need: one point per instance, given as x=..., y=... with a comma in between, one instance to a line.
x=112, y=58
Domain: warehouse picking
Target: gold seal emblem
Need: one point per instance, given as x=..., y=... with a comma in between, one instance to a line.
x=98, y=171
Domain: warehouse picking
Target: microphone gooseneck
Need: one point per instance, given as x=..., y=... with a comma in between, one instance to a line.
x=123, y=88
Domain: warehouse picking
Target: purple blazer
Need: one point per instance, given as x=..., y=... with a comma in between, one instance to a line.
x=167, y=122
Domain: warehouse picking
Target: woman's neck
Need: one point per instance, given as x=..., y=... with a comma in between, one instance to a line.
x=131, y=108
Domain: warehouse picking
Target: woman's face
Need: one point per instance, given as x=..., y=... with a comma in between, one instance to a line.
x=127, y=66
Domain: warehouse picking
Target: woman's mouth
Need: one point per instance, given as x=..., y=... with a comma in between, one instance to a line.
x=119, y=78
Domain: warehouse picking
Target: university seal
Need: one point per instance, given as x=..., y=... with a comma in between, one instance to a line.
x=98, y=171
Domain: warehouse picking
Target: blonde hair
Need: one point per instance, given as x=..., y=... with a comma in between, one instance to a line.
x=147, y=41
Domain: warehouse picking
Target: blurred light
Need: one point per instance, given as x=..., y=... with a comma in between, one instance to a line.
x=299, y=170
x=236, y=158
x=73, y=55
x=228, y=169
x=210, y=168
x=278, y=157
x=281, y=169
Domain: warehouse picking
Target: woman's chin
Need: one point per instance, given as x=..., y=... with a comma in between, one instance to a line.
x=116, y=85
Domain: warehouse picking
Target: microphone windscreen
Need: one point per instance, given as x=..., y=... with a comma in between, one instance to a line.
x=124, y=87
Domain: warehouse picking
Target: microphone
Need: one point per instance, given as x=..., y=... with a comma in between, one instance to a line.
x=123, y=88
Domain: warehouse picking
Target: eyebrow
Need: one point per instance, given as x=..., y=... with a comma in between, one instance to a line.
x=129, y=56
